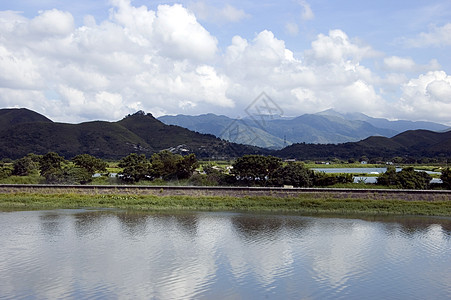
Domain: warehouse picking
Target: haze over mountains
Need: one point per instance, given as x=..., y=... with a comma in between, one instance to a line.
x=327, y=127
x=23, y=131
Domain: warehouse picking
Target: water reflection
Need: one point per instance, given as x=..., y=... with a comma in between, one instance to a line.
x=108, y=254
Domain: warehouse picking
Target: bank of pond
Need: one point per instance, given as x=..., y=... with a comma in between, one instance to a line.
x=386, y=203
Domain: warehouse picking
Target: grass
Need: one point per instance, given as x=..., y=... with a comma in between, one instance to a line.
x=300, y=204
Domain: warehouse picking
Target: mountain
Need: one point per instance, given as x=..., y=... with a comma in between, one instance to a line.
x=412, y=143
x=240, y=131
x=397, y=126
x=24, y=131
x=13, y=116
x=275, y=132
x=279, y=132
x=311, y=128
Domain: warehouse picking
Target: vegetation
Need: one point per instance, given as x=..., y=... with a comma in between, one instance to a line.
x=302, y=204
x=165, y=165
x=446, y=178
x=167, y=168
x=407, y=178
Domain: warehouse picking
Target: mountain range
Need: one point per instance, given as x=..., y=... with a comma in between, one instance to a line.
x=24, y=131
x=411, y=144
x=327, y=127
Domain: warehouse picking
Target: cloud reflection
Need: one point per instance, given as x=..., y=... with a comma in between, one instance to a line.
x=105, y=254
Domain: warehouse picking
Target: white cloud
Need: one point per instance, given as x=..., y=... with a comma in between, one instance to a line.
x=52, y=22
x=337, y=48
x=435, y=37
x=164, y=61
x=139, y=58
x=427, y=97
x=399, y=63
x=407, y=64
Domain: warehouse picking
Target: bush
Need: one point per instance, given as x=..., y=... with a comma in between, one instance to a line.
x=407, y=178
x=446, y=178
x=323, y=179
x=294, y=174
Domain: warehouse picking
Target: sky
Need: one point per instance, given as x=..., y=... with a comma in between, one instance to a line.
x=77, y=61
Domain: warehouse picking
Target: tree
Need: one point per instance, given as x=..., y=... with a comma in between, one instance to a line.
x=165, y=164
x=169, y=166
x=50, y=167
x=294, y=174
x=324, y=179
x=407, y=178
x=187, y=166
x=136, y=167
x=90, y=163
x=446, y=178
x=26, y=165
x=256, y=169
x=389, y=177
x=76, y=175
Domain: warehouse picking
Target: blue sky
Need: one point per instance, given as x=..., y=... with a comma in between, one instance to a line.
x=85, y=60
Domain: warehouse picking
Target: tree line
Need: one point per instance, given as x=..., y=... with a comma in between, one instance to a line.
x=248, y=170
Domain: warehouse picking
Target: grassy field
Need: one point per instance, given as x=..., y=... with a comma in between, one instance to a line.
x=299, y=204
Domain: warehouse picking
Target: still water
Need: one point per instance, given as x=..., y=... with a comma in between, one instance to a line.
x=79, y=254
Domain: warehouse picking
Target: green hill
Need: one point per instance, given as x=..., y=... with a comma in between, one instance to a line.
x=412, y=143
x=13, y=116
x=26, y=132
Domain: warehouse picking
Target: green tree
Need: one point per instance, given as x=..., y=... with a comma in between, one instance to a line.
x=90, y=163
x=50, y=167
x=255, y=169
x=5, y=172
x=165, y=164
x=186, y=166
x=446, y=178
x=26, y=165
x=136, y=167
x=389, y=177
x=324, y=179
x=407, y=178
x=169, y=166
x=294, y=174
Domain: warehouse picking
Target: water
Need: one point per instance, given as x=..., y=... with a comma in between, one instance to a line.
x=79, y=254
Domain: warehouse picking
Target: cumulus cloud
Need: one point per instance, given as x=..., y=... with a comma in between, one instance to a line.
x=437, y=36
x=138, y=59
x=164, y=61
x=427, y=95
x=337, y=47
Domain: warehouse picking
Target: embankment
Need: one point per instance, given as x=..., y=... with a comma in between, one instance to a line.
x=396, y=202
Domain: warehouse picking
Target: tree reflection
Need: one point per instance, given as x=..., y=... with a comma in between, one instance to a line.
x=50, y=223
x=89, y=222
x=133, y=223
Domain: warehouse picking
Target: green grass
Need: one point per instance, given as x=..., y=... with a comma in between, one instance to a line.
x=31, y=179
x=301, y=204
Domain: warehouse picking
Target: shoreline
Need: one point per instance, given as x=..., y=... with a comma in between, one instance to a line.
x=151, y=198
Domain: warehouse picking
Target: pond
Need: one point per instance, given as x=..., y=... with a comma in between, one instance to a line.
x=210, y=255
